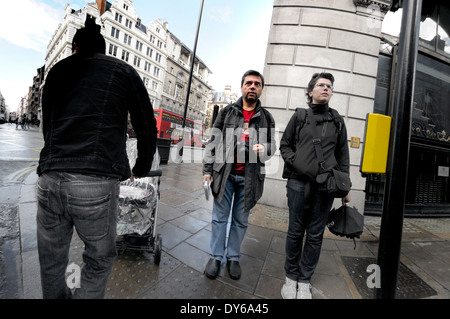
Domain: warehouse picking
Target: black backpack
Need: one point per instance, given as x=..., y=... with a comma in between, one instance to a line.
x=301, y=120
x=300, y=165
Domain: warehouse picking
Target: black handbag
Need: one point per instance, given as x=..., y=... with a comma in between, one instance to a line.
x=346, y=221
x=334, y=182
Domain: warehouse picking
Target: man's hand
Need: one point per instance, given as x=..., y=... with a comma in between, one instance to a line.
x=207, y=178
x=258, y=149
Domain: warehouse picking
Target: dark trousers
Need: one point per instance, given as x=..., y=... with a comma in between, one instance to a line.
x=90, y=204
x=301, y=260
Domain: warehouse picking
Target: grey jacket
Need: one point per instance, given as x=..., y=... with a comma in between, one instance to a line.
x=219, y=152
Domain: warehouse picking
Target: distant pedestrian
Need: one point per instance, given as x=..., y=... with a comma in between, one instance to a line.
x=86, y=101
x=19, y=121
x=234, y=162
x=26, y=122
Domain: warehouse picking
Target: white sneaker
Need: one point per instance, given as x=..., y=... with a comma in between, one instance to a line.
x=304, y=291
x=289, y=289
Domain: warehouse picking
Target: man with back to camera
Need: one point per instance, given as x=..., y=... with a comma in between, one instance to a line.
x=85, y=105
x=234, y=162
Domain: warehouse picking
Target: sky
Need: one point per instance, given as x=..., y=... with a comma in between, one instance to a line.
x=232, y=37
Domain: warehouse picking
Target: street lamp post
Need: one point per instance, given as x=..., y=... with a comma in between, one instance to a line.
x=188, y=92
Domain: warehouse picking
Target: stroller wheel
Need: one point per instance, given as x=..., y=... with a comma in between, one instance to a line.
x=158, y=249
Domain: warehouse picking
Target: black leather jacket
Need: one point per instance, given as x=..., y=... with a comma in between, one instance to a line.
x=219, y=152
x=85, y=104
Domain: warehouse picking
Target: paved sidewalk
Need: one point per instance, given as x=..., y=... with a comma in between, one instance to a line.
x=184, y=222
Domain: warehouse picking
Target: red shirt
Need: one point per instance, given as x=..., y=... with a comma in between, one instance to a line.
x=239, y=167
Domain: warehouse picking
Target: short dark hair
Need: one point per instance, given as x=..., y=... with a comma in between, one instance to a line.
x=313, y=82
x=89, y=39
x=252, y=72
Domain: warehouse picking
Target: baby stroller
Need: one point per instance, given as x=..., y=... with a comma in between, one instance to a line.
x=138, y=203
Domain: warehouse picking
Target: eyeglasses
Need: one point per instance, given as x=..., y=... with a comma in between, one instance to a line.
x=323, y=85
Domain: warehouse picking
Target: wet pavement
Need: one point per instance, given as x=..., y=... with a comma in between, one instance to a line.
x=184, y=223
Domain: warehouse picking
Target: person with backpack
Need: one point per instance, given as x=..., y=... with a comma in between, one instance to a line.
x=242, y=139
x=309, y=205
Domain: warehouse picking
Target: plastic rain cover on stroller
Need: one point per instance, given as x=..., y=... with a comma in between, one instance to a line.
x=137, y=199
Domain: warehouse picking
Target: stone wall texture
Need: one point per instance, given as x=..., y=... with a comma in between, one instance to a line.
x=337, y=36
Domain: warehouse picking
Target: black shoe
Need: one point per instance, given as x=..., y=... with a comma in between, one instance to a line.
x=212, y=268
x=234, y=269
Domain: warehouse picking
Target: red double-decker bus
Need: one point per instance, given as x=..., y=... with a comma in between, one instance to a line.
x=169, y=126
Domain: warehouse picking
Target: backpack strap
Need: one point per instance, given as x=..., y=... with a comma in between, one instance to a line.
x=337, y=119
x=317, y=143
x=301, y=119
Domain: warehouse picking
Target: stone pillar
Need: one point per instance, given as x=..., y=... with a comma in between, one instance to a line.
x=337, y=36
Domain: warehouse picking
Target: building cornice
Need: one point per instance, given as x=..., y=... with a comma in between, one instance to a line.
x=383, y=5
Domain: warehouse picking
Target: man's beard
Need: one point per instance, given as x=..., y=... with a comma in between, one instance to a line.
x=251, y=99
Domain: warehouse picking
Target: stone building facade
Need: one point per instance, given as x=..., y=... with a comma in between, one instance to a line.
x=337, y=36
x=156, y=54
x=35, y=95
x=179, y=59
x=126, y=37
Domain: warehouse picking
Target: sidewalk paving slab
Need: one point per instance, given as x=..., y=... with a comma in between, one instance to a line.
x=184, y=222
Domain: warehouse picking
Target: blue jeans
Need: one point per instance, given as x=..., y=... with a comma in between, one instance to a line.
x=300, y=266
x=232, y=202
x=90, y=203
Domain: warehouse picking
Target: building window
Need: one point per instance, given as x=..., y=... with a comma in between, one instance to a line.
x=154, y=85
x=433, y=30
x=156, y=72
x=158, y=57
x=147, y=66
x=118, y=17
x=113, y=50
x=149, y=52
x=115, y=33
x=180, y=78
x=178, y=91
x=128, y=23
x=152, y=39
x=125, y=55
x=127, y=39
x=159, y=45
x=139, y=46
x=137, y=61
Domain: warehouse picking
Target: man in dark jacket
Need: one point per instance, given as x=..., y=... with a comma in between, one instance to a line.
x=86, y=100
x=234, y=162
x=301, y=168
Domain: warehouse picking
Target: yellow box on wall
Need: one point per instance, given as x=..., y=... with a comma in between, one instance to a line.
x=376, y=144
